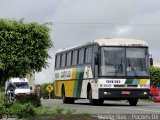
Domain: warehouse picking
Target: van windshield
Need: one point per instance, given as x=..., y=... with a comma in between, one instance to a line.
x=21, y=85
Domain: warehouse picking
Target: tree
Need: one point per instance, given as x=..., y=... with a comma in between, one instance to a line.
x=155, y=74
x=23, y=48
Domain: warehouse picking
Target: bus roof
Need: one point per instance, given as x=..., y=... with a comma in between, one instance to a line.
x=110, y=42
x=120, y=42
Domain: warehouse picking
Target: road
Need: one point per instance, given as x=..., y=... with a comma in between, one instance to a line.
x=109, y=107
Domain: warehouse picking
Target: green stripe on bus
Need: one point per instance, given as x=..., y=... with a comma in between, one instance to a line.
x=129, y=81
x=78, y=82
x=132, y=81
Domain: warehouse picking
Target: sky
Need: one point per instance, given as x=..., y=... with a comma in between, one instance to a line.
x=80, y=21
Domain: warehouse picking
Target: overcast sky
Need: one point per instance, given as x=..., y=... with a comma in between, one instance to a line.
x=79, y=21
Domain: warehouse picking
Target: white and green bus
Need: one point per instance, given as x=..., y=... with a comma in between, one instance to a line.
x=105, y=69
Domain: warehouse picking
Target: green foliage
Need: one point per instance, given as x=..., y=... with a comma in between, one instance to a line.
x=155, y=74
x=70, y=111
x=44, y=93
x=44, y=110
x=3, y=104
x=32, y=98
x=20, y=110
x=23, y=48
x=16, y=108
x=59, y=110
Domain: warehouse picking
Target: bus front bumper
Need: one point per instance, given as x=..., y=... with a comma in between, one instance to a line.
x=122, y=94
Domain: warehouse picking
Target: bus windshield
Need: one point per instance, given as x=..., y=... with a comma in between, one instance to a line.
x=121, y=61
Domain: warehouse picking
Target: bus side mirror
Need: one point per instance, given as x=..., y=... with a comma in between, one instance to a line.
x=151, y=61
x=30, y=88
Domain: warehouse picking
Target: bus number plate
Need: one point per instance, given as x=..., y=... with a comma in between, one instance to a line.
x=126, y=92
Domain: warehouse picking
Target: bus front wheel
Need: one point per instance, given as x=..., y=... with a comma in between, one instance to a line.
x=133, y=102
x=92, y=101
x=64, y=99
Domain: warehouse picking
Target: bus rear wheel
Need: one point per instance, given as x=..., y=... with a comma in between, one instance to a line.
x=133, y=102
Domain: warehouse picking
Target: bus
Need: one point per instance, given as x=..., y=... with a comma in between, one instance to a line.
x=104, y=69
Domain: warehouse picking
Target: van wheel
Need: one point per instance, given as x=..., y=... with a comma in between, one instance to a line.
x=92, y=101
x=133, y=102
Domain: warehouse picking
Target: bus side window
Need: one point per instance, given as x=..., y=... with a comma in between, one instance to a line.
x=63, y=60
x=74, y=57
x=88, y=54
x=81, y=56
x=69, y=58
x=58, y=60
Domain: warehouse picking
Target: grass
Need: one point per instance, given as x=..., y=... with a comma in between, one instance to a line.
x=59, y=113
x=63, y=117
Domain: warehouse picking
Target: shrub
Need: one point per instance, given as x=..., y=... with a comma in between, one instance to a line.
x=155, y=74
x=59, y=110
x=20, y=110
x=3, y=104
x=33, y=98
x=70, y=111
x=44, y=110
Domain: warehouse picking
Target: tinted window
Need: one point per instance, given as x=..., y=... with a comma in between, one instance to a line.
x=112, y=61
x=81, y=56
x=74, y=58
x=63, y=63
x=88, y=54
x=69, y=59
x=58, y=60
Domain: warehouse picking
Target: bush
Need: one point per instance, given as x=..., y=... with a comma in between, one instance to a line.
x=20, y=110
x=32, y=98
x=155, y=74
x=45, y=110
x=3, y=104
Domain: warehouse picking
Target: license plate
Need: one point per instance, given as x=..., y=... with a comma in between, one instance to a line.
x=126, y=92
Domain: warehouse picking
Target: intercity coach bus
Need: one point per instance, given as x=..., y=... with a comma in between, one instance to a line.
x=105, y=69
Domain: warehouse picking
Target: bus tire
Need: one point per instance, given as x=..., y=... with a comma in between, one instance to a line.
x=92, y=101
x=63, y=96
x=100, y=101
x=71, y=100
x=133, y=102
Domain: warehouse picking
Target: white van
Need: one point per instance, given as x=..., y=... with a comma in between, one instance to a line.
x=16, y=86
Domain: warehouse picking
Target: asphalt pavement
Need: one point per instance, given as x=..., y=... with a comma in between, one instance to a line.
x=109, y=107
